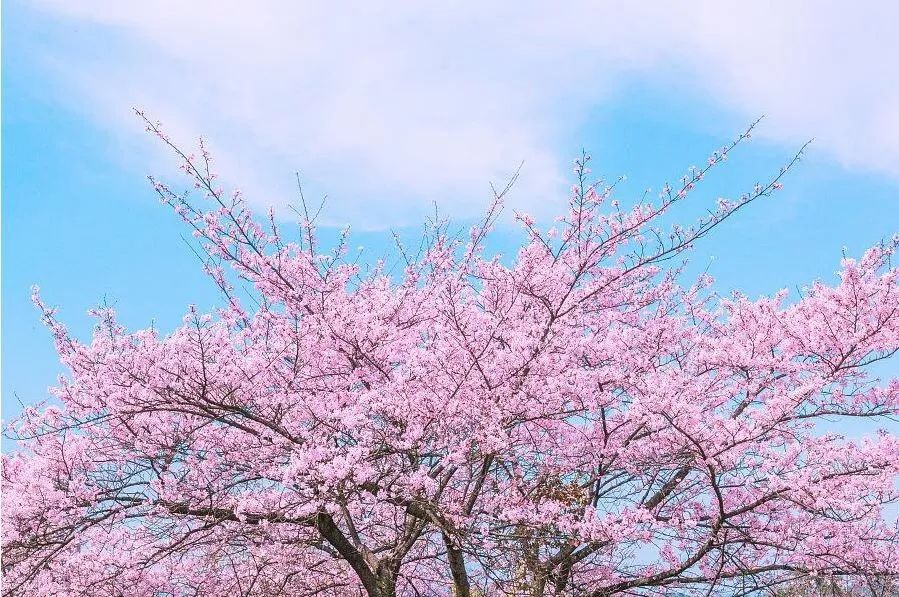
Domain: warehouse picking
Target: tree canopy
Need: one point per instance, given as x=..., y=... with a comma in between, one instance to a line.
x=577, y=422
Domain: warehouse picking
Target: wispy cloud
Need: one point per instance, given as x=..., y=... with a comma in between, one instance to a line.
x=392, y=108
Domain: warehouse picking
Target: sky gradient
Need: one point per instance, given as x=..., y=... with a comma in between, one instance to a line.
x=389, y=113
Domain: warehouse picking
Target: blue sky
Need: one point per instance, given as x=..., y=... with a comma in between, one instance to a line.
x=388, y=113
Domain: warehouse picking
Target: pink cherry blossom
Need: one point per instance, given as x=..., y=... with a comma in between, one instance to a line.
x=576, y=423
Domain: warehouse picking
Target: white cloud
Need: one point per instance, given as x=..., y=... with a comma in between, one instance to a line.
x=392, y=107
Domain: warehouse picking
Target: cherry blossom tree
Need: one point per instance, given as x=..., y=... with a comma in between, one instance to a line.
x=580, y=422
